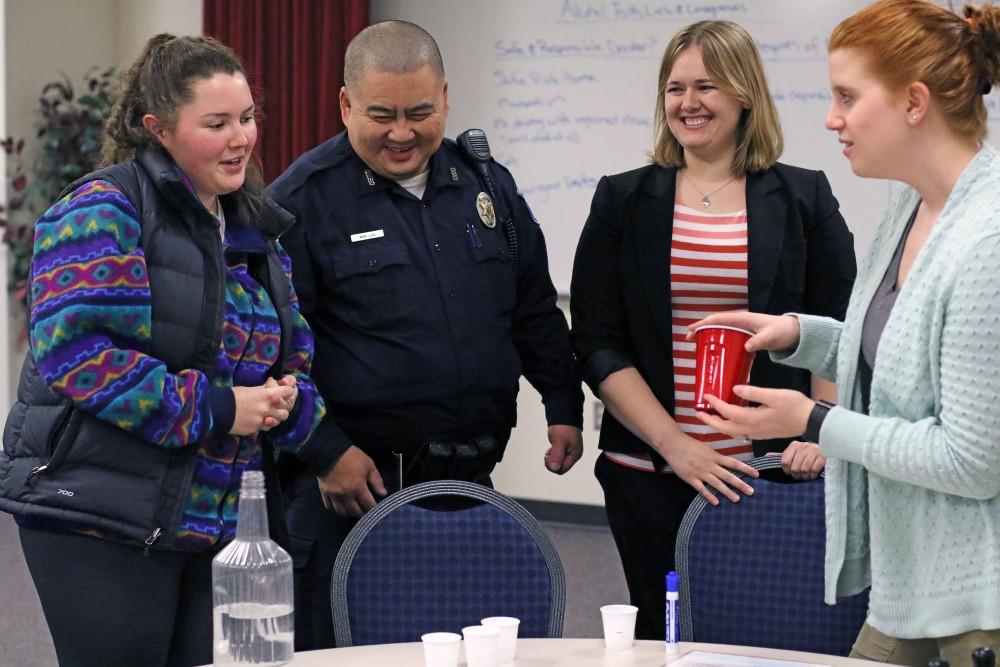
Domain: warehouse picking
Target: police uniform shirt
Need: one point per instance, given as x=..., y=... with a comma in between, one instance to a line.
x=420, y=329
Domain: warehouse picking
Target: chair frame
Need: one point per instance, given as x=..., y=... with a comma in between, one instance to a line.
x=694, y=510
x=425, y=490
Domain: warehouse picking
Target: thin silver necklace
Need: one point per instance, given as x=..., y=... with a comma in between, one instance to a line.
x=706, y=199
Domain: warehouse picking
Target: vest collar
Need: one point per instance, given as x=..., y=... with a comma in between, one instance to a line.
x=271, y=220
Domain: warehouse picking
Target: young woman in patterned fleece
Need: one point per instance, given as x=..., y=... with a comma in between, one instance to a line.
x=168, y=355
x=913, y=478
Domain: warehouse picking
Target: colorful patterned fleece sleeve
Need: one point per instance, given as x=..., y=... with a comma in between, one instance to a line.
x=90, y=321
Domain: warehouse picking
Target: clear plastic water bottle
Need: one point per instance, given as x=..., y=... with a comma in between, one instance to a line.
x=253, y=612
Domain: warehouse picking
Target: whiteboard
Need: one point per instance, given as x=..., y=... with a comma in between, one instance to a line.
x=566, y=89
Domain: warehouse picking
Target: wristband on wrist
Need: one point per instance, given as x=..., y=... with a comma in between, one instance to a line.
x=815, y=421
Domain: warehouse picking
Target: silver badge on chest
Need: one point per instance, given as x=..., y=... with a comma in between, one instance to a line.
x=484, y=207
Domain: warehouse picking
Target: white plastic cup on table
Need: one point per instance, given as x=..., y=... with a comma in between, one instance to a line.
x=441, y=649
x=619, y=625
x=508, y=626
x=482, y=645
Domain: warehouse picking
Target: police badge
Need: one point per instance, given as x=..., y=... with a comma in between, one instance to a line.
x=484, y=207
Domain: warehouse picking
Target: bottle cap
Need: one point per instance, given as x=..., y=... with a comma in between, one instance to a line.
x=252, y=484
x=672, y=582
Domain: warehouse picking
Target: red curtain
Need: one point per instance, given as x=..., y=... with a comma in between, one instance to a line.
x=293, y=51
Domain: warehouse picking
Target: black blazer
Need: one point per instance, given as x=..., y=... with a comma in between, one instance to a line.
x=800, y=259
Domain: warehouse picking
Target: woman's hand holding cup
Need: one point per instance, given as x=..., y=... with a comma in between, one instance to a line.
x=779, y=413
x=770, y=332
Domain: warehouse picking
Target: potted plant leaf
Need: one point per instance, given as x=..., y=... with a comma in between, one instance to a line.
x=69, y=138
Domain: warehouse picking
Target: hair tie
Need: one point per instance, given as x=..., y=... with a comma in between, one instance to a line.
x=985, y=86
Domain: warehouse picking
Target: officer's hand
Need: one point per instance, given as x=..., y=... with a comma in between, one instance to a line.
x=566, y=449
x=347, y=487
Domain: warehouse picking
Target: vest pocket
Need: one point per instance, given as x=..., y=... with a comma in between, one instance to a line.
x=60, y=441
x=63, y=439
x=38, y=430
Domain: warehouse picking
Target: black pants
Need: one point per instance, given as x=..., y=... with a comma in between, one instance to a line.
x=316, y=535
x=644, y=510
x=109, y=604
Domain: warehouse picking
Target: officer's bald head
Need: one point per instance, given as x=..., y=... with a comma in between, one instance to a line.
x=395, y=47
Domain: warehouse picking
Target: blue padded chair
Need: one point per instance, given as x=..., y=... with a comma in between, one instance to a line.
x=439, y=556
x=751, y=572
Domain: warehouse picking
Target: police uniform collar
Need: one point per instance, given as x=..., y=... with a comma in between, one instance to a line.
x=446, y=170
x=367, y=180
x=318, y=159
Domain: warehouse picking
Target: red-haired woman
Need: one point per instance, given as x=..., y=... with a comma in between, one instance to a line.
x=913, y=476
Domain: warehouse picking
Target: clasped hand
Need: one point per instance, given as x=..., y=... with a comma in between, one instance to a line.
x=264, y=407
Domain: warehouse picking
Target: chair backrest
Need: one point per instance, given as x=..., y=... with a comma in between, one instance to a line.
x=439, y=556
x=751, y=572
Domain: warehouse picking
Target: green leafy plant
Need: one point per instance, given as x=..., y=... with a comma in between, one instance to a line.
x=69, y=134
x=71, y=130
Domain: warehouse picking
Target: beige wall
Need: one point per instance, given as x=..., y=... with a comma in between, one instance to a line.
x=39, y=41
x=522, y=473
x=138, y=20
x=48, y=38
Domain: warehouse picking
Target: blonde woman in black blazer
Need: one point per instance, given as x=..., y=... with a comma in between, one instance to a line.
x=717, y=144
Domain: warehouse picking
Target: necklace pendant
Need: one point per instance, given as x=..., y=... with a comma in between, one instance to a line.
x=705, y=202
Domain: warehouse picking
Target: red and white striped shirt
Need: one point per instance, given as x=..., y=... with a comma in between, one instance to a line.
x=708, y=274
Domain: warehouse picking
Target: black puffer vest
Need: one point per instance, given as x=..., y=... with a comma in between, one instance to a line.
x=61, y=462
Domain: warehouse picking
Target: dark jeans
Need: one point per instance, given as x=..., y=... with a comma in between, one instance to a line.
x=316, y=537
x=109, y=604
x=644, y=510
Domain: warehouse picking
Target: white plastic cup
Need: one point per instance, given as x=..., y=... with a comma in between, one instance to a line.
x=508, y=626
x=619, y=625
x=441, y=649
x=482, y=645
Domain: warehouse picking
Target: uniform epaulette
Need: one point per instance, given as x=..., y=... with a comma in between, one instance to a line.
x=326, y=155
x=453, y=145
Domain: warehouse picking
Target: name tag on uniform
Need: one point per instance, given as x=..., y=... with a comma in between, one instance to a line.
x=364, y=236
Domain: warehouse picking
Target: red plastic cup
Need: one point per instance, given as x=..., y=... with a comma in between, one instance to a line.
x=721, y=363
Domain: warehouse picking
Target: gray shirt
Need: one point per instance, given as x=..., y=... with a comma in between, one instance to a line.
x=878, y=314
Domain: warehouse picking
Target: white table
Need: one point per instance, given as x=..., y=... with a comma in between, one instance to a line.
x=557, y=652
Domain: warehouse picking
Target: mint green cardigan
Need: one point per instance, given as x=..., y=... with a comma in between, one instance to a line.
x=913, y=487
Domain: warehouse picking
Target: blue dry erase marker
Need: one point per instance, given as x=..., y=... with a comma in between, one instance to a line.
x=671, y=615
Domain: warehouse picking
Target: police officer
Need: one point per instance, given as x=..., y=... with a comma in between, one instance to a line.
x=423, y=324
